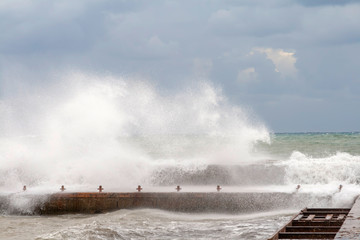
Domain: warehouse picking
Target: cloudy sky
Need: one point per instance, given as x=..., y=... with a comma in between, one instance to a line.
x=294, y=63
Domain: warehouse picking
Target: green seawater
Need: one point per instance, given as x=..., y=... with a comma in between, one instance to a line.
x=315, y=145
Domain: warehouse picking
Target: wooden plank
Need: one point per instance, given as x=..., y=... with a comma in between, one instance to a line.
x=325, y=212
x=317, y=223
x=310, y=217
x=312, y=228
x=329, y=217
x=328, y=209
x=320, y=235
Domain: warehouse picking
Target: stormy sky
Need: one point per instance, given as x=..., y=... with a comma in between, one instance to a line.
x=294, y=63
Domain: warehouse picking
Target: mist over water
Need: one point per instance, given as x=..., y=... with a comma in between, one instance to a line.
x=92, y=130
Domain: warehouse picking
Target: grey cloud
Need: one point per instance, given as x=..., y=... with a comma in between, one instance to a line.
x=317, y=3
x=332, y=25
x=254, y=22
x=41, y=26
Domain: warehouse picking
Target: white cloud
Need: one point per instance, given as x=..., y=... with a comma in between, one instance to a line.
x=284, y=61
x=246, y=75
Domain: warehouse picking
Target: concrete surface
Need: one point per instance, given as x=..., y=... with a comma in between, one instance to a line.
x=351, y=227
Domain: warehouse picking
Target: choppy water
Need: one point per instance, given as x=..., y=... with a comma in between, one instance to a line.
x=143, y=224
x=312, y=144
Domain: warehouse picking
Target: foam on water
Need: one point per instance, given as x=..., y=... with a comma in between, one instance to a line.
x=339, y=168
x=145, y=224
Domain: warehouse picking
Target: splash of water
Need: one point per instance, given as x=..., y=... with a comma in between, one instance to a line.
x=340, y=168
x=93, y=130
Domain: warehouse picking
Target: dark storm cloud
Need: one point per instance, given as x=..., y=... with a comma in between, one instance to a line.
x=278, y=57
x=42, y=26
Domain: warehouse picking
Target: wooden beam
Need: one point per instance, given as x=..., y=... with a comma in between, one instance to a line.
x=310, y=217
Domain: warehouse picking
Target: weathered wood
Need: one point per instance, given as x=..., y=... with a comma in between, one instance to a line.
x=306, y=235
x=317, y=223
x=310, y=217
x=326, y=209
x=312, y=228
x=313, y=223
x=325, y=212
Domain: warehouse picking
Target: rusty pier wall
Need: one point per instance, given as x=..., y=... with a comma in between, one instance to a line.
x=64, y=203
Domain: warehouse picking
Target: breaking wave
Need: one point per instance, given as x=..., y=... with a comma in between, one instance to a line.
x=341, y=168
x=90, y=130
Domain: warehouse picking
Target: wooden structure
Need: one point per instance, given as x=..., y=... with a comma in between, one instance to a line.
x=313, y=223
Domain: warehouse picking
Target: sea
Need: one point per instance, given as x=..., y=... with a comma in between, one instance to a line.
x=95, y=130
x=318, y=162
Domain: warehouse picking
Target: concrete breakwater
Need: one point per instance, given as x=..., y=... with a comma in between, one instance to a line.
x=87, y=202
